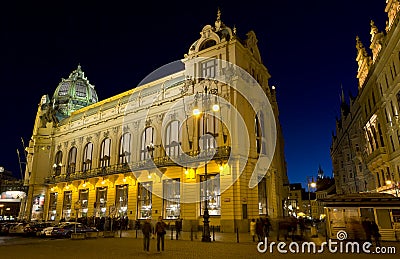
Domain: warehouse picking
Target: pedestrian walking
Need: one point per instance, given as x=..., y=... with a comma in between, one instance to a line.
x=259, y=230
x=375, y=233
x=253, y=229
x=267, y=226
x=367, y=228
x=147, y=229
x=160, y=232
x=178, y=227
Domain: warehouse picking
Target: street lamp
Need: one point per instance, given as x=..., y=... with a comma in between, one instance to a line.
x=205, y=101
x=310, y=184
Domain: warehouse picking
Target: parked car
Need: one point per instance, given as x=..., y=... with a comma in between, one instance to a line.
x=5, y=227
x=35, y=228
x=67, y=230
x=46, y=232
x=17, y=229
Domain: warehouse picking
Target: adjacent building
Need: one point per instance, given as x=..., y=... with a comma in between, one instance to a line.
x=12, y=195
x=365, y=149
x=143, y=153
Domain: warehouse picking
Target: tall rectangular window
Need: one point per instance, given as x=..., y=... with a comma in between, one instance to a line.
x=260, y=132
x=208, y=69
x=53, y=206
x=87, y=157
x=101, y=201
x=66, y=212
x=121, y=199
x=144, y=200
x=262, y=197
x=147, y=143
x=210, y=189
x=105, y=151
x=172, y=196
x=172, y=139
x=125, y=148
x=84, y=198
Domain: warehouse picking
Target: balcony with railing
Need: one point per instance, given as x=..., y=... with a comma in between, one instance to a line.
x=378, y=155
x=185, y=159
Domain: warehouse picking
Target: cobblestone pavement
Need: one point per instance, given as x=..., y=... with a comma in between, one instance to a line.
x=128, y=246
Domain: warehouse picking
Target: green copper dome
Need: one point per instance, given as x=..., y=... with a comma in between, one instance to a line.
x=73, y=93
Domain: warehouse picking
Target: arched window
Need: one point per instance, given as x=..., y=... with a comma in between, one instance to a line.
x=71, y=161
x=208, y=132
x=58, y=163
x=105, y=150
x=125, y=148
x=147, y=145
x=172, y=139
x=207, y=44
x=87, y=157
x=260, y=132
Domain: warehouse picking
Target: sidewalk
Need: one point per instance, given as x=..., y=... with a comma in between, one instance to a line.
x=195, y=236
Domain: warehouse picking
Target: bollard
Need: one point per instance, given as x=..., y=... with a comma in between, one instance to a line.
x=237, y=235
x=136, y=233
x=213, y=233
x=172, y=233
x=191, y=234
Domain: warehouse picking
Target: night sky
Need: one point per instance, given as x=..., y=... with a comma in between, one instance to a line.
x=307, y=46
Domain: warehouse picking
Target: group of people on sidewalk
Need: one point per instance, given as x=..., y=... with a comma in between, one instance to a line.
x=260, y=228
x=149, y=232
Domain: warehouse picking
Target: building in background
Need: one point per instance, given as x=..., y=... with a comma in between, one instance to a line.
x=88, y=159
x=326, y=187
x=365, y=149
x=12, y=195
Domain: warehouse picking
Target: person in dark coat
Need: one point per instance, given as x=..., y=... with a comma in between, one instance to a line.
x=375, y=233
x=178, y=227
x=147, y=229
x=259, y=230
x=365, y=223
x=160, y=230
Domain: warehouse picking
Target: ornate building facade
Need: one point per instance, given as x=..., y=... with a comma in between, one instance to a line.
x=365, y=150
x=144, y=153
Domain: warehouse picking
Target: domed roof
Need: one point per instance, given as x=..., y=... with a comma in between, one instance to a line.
x=73, y=93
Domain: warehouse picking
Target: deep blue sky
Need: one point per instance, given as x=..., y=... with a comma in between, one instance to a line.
x=308, y=47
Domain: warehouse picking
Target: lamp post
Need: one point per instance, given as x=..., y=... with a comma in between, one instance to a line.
x=205, y=101
x=310, y=184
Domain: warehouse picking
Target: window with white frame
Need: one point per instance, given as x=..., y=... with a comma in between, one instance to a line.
x=101, y=201
x=105, y=150
x=172, y=139
x=144, y=200
x=52, y=206
x=171, y=194
x=260, y=134
x=210, y=189
x=208, y=68
x=125, y=148
x=262, y=197
x=208, y=132
x=71, y=161
x=58, y=163
x=87, y=157
x=67, y=203
x=84, y=198
x=121, y=199
x=147, y=143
